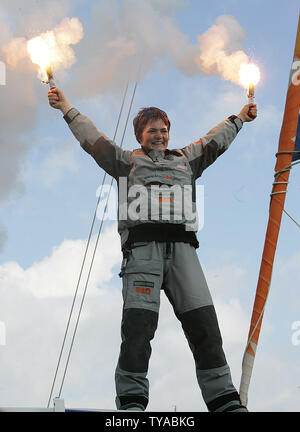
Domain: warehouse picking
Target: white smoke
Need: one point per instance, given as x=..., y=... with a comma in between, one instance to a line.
x=58, y=41
x=21, y=95
x=122, y=40
x=220, y=49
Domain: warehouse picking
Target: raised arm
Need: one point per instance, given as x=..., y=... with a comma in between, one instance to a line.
x=204, y=152
x=106, y=153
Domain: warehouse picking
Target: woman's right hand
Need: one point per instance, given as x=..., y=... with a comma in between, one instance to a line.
x=58, y=100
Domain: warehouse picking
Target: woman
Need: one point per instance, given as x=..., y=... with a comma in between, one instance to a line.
x=159, y=246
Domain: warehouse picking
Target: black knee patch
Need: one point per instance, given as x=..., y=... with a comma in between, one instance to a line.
x=138, y=328
x=132, y=401
x=203, y=334
x=221, y=401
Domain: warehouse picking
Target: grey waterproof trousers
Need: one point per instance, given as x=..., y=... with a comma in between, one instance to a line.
x=175, y=268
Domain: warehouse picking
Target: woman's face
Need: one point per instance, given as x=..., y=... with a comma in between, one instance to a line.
x=155, y=135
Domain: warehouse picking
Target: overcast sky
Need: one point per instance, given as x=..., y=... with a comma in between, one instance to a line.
x=48, y=187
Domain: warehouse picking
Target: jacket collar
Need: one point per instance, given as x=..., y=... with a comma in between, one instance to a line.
x=163, y=153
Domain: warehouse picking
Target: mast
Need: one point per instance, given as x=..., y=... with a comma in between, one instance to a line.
x=288, y=151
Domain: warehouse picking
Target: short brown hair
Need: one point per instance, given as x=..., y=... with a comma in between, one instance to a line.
x=146, y=114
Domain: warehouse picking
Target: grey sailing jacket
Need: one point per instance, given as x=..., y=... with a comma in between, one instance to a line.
x=155, y=186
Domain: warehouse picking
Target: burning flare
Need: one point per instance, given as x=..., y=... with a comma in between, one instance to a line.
x=39, y=53
x=52, y=48
x=249, y=74
x=249, y=77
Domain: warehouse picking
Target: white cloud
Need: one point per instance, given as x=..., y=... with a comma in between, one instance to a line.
x=57, y=274
x=35, y=303
x=273, y=386
x=59, y=161
x=234, y=322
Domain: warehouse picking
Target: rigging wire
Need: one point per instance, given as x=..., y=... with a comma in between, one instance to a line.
x=291, y=218
x=88, y=243
x=85, y=253
x=95, y=248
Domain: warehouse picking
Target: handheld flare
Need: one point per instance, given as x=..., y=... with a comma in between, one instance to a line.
x=249, y=76
x=251, y=93
x=51, y=81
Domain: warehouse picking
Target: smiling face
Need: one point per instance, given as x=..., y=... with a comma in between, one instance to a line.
x=155, y=135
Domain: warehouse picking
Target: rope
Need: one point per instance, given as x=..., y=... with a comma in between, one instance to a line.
x=256, y=324
x=85, y=254
x=277, y=174
x=287, y=168
x=95, y=248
